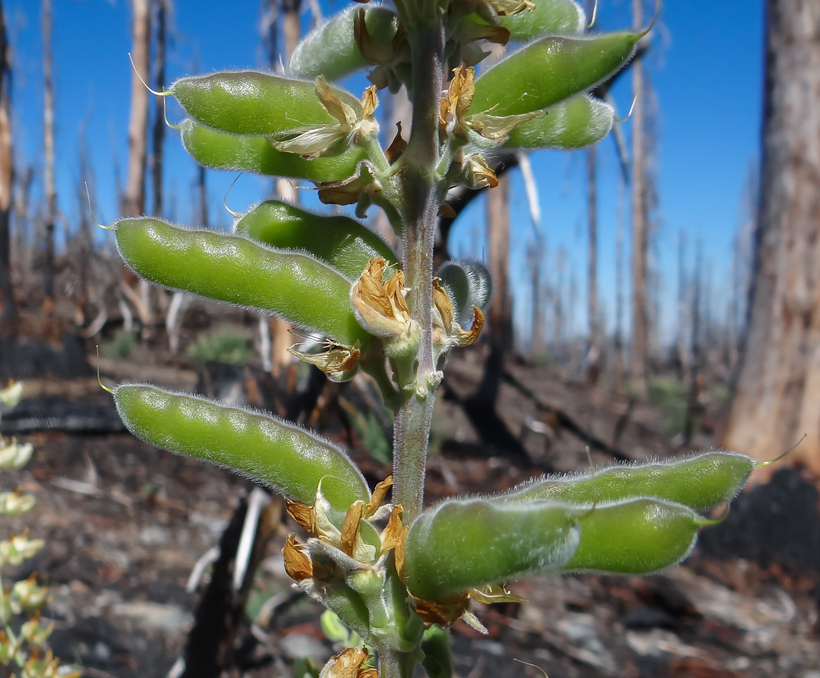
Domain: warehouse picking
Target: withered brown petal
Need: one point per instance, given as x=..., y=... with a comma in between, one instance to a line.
x=441, y=300
x=350, y=527
x=302, y=514
x=396, y=147
x=444, y=612
x=379, y=493
x=465, y=338
x=393, y=534
x=398, y=553
x=446, y=211
x=297, y=564
x=346, y=664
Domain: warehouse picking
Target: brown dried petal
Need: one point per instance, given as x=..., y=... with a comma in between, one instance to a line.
x=396, y=147
x=441, y=300
x=467, y=337
x=297, y=563
x=398, y=553
x=335, y=360
x=446, y=211
x=393, y=534
x=302, y=514
x=369, y=102
x=379, y=493
x=334, y=105
x=443, y=612
x=345, y=664
x=510, y=7
x=350, y=528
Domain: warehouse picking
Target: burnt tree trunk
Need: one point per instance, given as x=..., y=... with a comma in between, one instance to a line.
x=594, y=354
x=48, y=150
x=134, y=197
x=777, y=394
x=6, y=173
x=158, y=132
x=639, y=225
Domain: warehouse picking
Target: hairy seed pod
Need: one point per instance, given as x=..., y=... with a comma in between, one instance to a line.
x=344, y=243
x=255, y=103
x=237, y=270
x=699, y=482
x=331, y=49
x=636, y=536
x=549, y=17
x=287, y=457
x=550, y=70
x=220, y=150
x=461, y=544
x=569, y=125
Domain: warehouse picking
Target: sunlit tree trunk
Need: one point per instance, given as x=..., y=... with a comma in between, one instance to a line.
x=134, y=197
x=777, y=394
x=6, y=173
x=639, y=225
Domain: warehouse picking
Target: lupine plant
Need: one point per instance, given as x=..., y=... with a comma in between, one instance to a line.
x=23, y=637
x=399, y=573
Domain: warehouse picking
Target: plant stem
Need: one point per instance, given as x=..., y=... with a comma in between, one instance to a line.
x=421, y=202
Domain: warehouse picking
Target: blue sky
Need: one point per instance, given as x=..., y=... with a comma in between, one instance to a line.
x=706, y=68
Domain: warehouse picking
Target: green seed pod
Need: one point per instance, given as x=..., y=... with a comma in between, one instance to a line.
x=461, y=544
x=468, y=284
x=237, y=270
x=550, y=70
x=438, y=658
x=255, y=154
x=699, y=482
x=550, y=17
x=344, y=243
x=636, y=536
x=331, y=50
x=251, y=102
x=569, y=125
x=276, y=452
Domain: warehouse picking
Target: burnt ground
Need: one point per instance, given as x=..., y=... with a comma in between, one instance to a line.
x=125, y=524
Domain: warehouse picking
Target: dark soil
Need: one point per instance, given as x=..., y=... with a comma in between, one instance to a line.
x=125, y=524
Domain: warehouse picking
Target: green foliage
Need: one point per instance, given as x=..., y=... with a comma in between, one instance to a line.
x=389, y=317
x=121, y=346
x=224, y=345
x=670, y=395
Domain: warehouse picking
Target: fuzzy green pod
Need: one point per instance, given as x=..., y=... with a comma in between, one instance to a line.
x=255, y=103
x=699, y=482
x=331, y=50
x=550, y=70
x=269, y=449
x=461, y=544
x=549, y=17
x=237, y=270
x=636, y=536
x=468, y=284
x=344, y=243
x=220, y=150
x=569, y=125
x=438, y=657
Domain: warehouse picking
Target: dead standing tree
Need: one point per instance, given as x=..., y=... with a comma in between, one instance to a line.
x=133, y=203
x=639, y=225
x=48, y=150
x=777, y=394
x=6, y=173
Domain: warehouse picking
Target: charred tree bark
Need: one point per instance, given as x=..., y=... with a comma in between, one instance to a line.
x=48, y=150
x=134, y=197
x=6, y=173
x=619, y=288
x=594, y=353
x=639, y=225
x=158, y=132
x=777, y=394
x=498, y=246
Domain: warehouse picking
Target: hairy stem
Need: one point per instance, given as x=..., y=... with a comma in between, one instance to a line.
x=421, y=201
